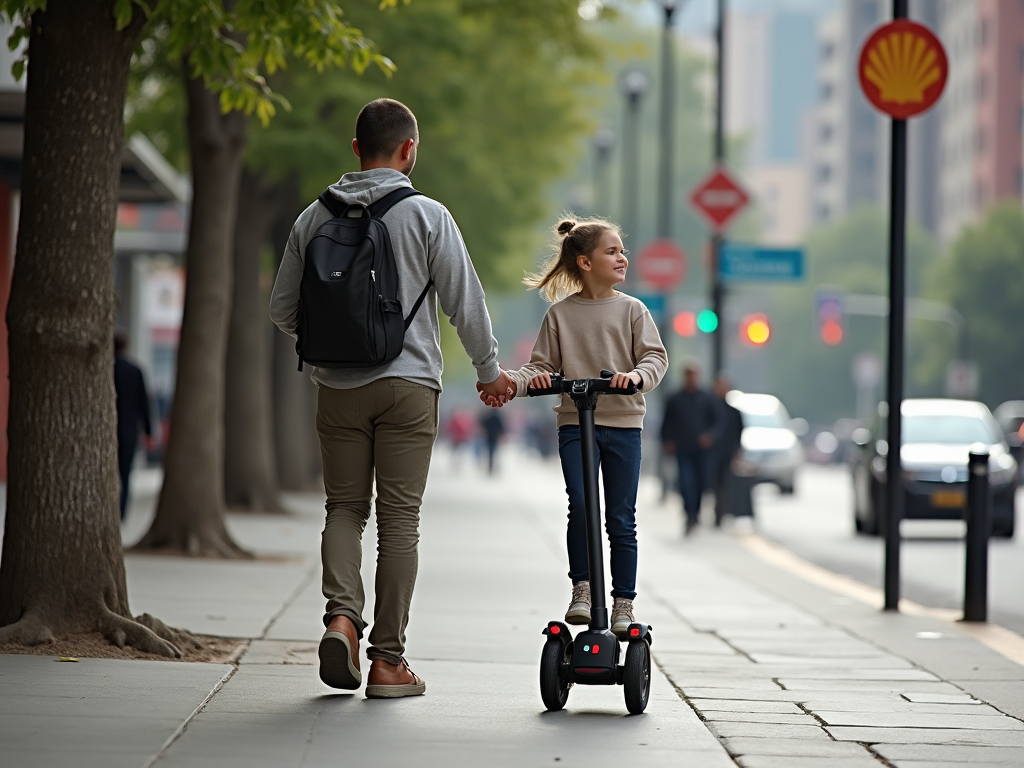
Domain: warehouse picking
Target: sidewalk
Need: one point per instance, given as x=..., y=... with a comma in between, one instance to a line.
x=760, y=665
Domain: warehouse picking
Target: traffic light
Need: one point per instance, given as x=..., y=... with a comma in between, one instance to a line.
x=830, y=317
x=685, y=323
x=707, y=321
x=755, y=330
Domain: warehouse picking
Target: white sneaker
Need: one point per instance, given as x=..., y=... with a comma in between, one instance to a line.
x=622, y=617
x=579, y=605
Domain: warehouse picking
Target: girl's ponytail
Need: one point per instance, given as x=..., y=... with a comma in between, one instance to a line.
x=560, y=274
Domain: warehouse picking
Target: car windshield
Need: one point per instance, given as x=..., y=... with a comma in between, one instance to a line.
x=762, y=419
x=959, y=430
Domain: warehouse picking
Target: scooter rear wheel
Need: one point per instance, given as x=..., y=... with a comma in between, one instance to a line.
x=637, y=676
x=554, y=686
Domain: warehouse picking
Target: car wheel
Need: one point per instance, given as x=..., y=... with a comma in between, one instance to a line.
x=857, y=524
x=873, y=525
x=787, y=490
x=1003, y=529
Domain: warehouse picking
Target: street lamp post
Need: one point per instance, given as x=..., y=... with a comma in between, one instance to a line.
x=717, y=287
x=666, y=166
x=604, y=141
x=634, y=84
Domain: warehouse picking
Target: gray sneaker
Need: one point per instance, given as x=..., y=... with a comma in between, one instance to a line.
x=579, y=606
x=622, y=617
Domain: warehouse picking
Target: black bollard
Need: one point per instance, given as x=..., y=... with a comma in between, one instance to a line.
x=979, y=526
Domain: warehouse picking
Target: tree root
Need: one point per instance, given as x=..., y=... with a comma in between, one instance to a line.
x=28, y=630
x=122, y=631
x=178, y=637
x=191, y=543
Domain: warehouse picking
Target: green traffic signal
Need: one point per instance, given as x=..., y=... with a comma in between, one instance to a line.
x=707, y=321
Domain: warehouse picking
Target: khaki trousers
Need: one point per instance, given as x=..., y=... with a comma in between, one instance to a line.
x=382, y=431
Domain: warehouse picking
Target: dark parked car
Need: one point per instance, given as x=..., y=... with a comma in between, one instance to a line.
x=937, y=437
x=1010, y=416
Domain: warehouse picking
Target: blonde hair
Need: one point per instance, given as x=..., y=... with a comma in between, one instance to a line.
x=560, y=276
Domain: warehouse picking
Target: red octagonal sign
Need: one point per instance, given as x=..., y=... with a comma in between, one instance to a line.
x=662, y=264
x=719, y=198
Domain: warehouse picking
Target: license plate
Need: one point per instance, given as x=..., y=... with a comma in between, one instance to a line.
x=947, y=499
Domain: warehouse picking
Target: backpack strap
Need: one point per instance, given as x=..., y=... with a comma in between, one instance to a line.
x=331, y=203
x=416, y=306
x=380, y=207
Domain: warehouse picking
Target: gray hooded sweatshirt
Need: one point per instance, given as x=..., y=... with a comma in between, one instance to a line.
x=427, y=244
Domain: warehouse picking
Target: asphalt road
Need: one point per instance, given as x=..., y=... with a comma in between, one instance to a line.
x=817, y=524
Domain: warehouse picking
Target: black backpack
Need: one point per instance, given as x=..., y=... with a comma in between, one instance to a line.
x=349, y=312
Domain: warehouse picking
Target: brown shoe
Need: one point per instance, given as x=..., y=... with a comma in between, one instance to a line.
x=339, y=655
x=392, y=681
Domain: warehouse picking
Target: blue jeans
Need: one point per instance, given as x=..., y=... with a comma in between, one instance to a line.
x=618, y=456
x=693, y=475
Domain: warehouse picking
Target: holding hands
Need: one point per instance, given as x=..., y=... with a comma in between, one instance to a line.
x=498, y=392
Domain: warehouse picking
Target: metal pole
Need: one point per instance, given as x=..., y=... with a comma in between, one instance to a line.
x=604, y=140
x=592, y=502
x=667, y=166
x=897, y=321
x=979, y=525
x=631, y=169
x=717, y=287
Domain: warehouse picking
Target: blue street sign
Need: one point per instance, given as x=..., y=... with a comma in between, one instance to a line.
x=655, y=301
x=752, y=262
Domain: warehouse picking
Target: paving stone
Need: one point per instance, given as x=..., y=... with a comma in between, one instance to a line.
x=1007, y=696
x=946, y=764
x=949, y=752
x=941, y=698
x=739, y=705
x=898, y=686
x=725, y=730
x=860, y=675
x=899, y=706
x=742, y=745
x=760, y=717
x=280, y=652
x=900, y=719
x=962, y=736
x=780, y=761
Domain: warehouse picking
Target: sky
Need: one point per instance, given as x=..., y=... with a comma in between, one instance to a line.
x=698, y=16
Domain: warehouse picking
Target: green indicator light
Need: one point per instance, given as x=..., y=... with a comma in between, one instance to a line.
x=586, y=648
x=707, y=321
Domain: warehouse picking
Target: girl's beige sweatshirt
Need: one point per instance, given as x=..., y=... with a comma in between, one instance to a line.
x=581, y=337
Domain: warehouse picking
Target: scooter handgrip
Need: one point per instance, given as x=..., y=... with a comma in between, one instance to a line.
x=605, y=387
x=535, y=392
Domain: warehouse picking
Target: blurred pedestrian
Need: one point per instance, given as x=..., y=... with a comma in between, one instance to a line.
x=132, y=412
x=688, y=432
x=725, y=451
x=460, y=430
x=377, y=425
x=493, y=427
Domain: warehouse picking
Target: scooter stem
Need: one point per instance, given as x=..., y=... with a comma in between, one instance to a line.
x=592, y=502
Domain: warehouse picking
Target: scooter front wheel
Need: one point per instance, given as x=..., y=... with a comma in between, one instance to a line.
x=554, y=685
x=636, y=677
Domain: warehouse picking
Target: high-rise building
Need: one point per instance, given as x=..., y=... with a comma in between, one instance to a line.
x=982, y=111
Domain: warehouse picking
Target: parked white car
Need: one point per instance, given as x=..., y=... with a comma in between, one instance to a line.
x=771, y=449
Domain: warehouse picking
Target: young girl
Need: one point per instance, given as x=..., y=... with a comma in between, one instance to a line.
x=590, y=326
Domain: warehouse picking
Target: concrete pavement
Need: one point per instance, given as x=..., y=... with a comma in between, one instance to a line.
x=758, y=666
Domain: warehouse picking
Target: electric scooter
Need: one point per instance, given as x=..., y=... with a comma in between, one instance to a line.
x=592, y=657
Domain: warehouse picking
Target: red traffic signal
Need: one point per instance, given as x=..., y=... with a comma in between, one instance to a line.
x=755, y=330
x=832, y=332
x=685, y=323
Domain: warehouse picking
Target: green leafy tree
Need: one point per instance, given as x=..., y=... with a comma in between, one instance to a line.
x=980, y=277
x=848, y=256
x=62, y=568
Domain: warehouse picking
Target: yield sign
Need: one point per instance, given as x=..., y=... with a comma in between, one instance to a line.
x=719, y=198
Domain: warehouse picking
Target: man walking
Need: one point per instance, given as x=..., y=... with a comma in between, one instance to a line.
x=132, y=413
x=379, y=424
x=688, y=432
x=725, y=450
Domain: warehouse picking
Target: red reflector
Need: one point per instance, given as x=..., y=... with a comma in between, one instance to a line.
x=555, y=629
x=634, y=632
x=594, y=649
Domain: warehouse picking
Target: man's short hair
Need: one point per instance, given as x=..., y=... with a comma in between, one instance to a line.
x=382, y=127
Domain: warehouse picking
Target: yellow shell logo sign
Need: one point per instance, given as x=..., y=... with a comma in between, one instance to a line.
x=903, y=68
x=902, y=65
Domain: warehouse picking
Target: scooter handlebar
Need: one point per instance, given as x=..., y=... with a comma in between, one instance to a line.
x=561, y=385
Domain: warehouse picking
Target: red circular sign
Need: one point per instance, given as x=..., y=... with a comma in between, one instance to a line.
x=903, y=69
x=662, y=264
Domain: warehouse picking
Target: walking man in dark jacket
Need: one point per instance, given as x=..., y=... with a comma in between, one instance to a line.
x=688, y=432
x=132, y=413
x=731, y=433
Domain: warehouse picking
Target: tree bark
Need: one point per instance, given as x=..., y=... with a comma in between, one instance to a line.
x=190, y=511
x=298, y=448
x=250, y=464
x=62, y=569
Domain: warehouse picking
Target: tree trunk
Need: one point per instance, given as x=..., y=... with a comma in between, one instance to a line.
x=190, y=512
x=298, y=449
x=250, y=471
x=62, y=569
